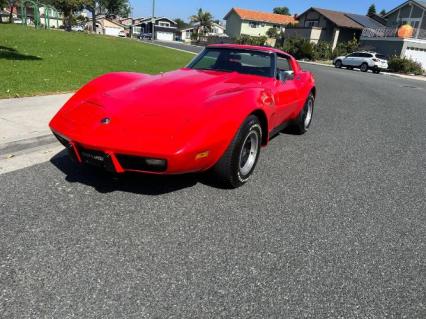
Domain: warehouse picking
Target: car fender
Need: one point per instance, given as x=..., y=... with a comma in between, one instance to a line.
x=225, y=112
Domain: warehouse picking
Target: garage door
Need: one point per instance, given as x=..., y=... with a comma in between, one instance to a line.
x=112, y=31
x=164, y=36
x=417, y=54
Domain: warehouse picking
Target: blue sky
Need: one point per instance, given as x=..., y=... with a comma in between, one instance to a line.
x=184, y=9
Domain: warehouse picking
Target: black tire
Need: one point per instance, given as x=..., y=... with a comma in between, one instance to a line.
x=364, y=67
x=338, y=64
x=228, y=171
x=302, y=124
x=376, y=71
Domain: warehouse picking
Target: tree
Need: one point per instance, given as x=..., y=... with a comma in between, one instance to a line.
x=116, y=7
x=204, y=19
x=272, y=33
x=107, y=7
x=181, y=24
x=282, y=10
x=383, y=12
x=68, y=7
x=11, y=4
x=372, y=9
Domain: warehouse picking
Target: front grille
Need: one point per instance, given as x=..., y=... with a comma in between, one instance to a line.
x=137, y=163
x=96, y=158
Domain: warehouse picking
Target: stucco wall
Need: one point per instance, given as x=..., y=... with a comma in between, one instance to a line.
x=261, y=30
x=233, y=25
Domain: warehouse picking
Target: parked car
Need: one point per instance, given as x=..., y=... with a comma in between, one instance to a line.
x=145, y=36
x=362, y=60
x=215, y=114
x=77, y=28
x=122, y=34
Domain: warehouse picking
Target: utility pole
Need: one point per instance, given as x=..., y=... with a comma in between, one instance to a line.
x=153, y=20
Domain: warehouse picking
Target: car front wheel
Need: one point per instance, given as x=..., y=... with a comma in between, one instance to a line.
x=239, y=161
x=303, y=121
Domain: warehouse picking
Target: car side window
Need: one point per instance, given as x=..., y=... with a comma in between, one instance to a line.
x=353, y=55
x=283, y=63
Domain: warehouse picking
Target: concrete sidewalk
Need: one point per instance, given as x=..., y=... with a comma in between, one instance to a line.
x=25, y=120
x=25, y=137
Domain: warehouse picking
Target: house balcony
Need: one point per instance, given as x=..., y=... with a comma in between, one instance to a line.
x=391, y=33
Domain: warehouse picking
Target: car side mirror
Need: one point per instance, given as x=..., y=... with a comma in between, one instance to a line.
x=284, y=76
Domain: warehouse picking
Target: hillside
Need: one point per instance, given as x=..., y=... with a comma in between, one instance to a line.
x=34, y=62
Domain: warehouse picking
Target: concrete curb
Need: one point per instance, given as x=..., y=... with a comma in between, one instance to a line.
x=29, y=143
x=167, y=47
x=397, y=75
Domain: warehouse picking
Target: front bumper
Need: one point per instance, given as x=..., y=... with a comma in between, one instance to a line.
x=121, y=161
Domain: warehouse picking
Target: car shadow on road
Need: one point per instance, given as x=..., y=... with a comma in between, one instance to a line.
x=137, y=183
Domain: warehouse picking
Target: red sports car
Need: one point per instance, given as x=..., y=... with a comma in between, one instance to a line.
x=214, y=114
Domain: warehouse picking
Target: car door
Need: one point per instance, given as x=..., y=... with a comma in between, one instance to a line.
x=350, y=59
x=286, y=92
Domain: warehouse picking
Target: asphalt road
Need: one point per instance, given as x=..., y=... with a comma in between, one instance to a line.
x=332, y=225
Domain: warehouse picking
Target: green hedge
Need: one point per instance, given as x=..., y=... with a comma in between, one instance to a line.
x=304, y=49
x=404, y=65
x=246, y=39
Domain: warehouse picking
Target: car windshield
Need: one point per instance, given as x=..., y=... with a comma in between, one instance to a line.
x=235, y=60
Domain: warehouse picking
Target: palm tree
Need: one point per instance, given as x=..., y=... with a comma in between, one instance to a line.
x=204, y=20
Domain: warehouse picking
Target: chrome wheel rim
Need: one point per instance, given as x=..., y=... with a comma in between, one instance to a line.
x=248, y=153
x=309, y=110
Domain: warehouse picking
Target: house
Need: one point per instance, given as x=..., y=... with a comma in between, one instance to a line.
x=317, y=24
x=254, y=23
x=50, y=17
x=107, y=27
x=216, y=30
x=165, y=29
x=386, y=40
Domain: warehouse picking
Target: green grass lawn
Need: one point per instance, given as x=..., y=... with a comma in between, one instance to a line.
x=35, y=62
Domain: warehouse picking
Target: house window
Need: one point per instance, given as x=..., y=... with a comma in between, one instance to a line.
x=311, y=23
x=136, y=29
x=254, y=25
x=164, y=24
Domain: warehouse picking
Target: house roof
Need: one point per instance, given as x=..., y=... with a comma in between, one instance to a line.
x=347, y=20
x=260, y=16
x=113, y=22
x=157, y=18
x=420, y=3
x=339, y=18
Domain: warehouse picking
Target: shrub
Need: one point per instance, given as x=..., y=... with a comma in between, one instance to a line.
x=272, y=33
x=246, y=39
x=322, y=51
x=405, y=65
x=299, y=48
x=345, y=48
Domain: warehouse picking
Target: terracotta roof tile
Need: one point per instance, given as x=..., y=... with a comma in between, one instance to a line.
x=262, y=16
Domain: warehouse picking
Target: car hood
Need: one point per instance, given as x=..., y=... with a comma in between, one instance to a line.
x=152, y=110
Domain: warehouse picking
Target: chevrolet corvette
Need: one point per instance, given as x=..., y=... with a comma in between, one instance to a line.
x=213, y=115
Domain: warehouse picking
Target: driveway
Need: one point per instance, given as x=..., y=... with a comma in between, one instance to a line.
x=332, y=225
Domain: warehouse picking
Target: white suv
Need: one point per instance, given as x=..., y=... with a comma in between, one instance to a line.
x=362, y=60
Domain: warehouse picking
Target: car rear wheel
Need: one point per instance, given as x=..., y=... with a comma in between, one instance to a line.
x=304, y=119
x=364, y=67
x=239, y=161
x=338, y=64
